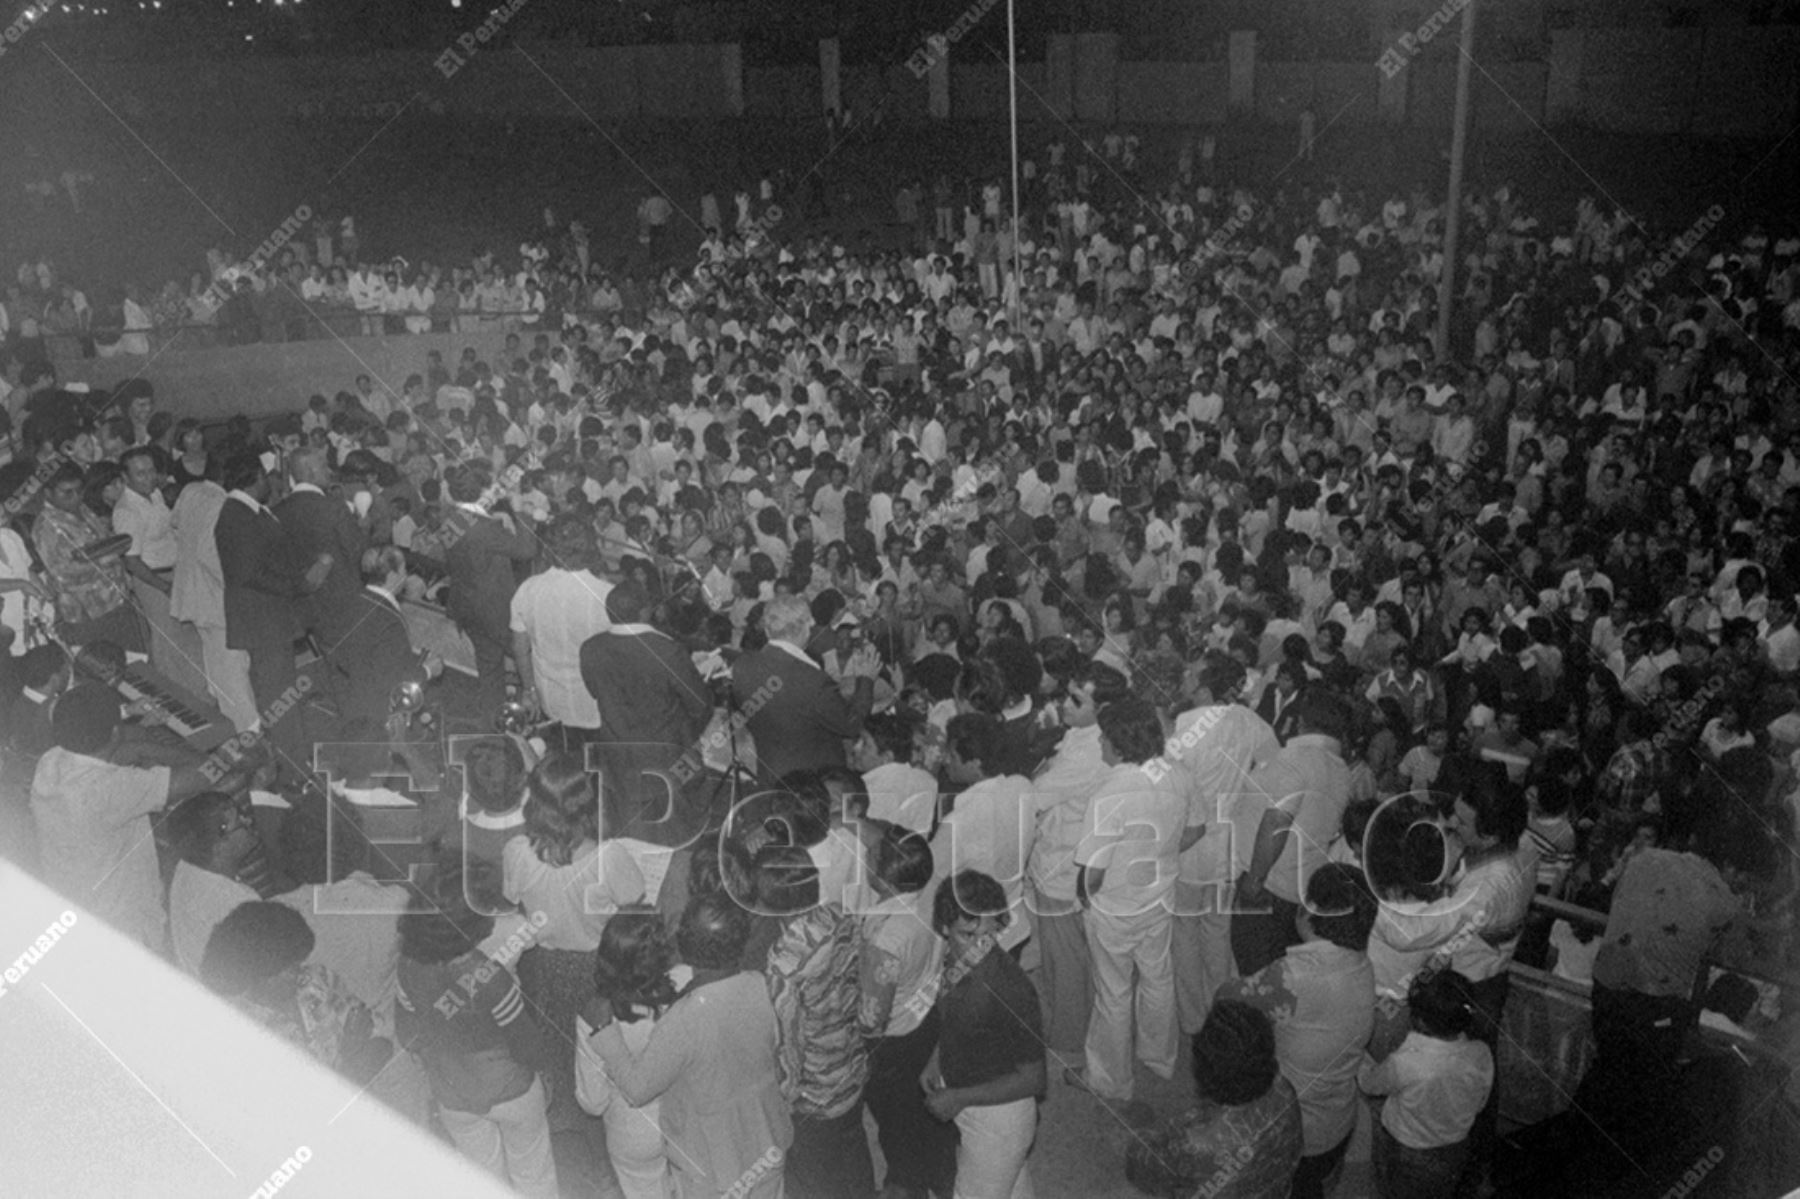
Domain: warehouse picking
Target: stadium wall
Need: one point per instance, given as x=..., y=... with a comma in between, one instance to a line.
x=214, y=383
x=1708, y=81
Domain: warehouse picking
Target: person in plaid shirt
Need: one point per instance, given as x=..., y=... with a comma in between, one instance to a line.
x=1638, y=768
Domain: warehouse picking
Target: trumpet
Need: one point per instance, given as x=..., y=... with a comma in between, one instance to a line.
x=514, y=719
x=408, y=697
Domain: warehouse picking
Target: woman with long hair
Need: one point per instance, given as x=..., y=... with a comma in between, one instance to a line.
x=568, y=882
x=709, y=1061
x=636, y=975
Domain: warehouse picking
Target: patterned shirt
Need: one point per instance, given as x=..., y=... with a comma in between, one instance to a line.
x=816, y=988
x=1246, y=1152
x=1633, y=776
x=1321, y=999
x=1668, y=910
x=85, y=590
x=319, y=1015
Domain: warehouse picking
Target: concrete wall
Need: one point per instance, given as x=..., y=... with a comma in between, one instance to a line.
x=980, y=92
x=610, y=83
x=1173, y=92
x=1096, y=76
x=1507, y=97
x=260, y=380
x=1709, y=81
x=1713, y=81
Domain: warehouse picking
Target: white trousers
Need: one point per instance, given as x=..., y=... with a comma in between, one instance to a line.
x=990, y=1162
x=634, y=1141
x=1201, y=950
x=511, y=1142
x=1123, y=951
x=228, y=677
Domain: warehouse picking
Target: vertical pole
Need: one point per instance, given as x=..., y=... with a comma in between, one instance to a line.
x=1459, y=145
x=1018, y=234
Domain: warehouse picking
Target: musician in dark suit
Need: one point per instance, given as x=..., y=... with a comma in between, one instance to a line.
x=796, y=711
x=374, y=656
x=480, y=557
x=654, y=707
x=319, y=523
x=266, y=580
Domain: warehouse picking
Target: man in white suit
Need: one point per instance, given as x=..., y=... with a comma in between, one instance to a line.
x=198, y=597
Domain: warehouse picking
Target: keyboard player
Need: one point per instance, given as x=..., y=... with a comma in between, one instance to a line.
x=145, y=735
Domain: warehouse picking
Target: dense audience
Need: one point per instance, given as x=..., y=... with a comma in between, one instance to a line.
x=1004, y=655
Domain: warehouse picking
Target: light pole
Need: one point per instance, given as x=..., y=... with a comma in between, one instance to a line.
x=1459, y=145
x=1012, y=82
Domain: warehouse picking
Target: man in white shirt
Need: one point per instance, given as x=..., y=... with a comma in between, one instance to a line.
x=1127, y=861
x=1306, y=788
x=1782, y=640
x=990, y=827
x=553, y=614
x=1220, y=744
x=93, y=818
x=143, y=513
x=899, y=792
x=1068, y=780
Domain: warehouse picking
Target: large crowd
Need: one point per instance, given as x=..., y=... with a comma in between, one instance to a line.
x=1003, y=657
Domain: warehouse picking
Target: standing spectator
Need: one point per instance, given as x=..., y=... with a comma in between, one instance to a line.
x=1320, y=995
x=553, y=615
x=1222, y=744
x=1436, y=1083
x=480, y=557
x=651, y=706
x=989, y=827
x=1476, y=928
x=654, y=213
x=318, y=523
x=814, y=978
x=1305, y=788
x=712, y=1061
x=804, y=719
x=1668, y=910
x=198, y=598
x=901, y=960
x=1063, y=790
x=636, y=976
x=265, y=579
x=374, y=656
x=1138, y=823
x=988, y=1072
x=464, y=1015
x=568, y=882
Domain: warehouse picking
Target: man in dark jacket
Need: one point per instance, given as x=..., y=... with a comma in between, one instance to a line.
x=375, y=654
x=795, y=711
x=654, y=706
x=319, y=523
x=266, y=579
x=480, y=560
